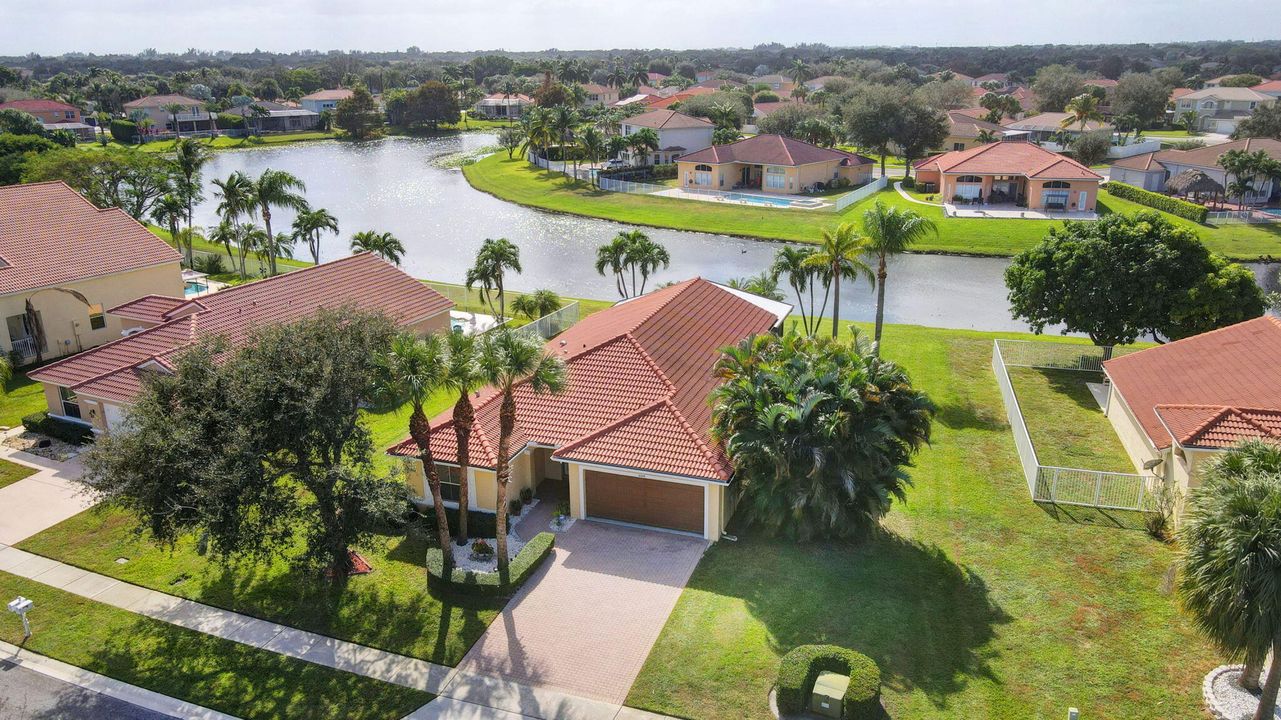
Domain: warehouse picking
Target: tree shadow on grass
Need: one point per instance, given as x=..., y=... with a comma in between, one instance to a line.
x=1101, y=517
x=1071, y=385
x=965, y=415
x=926, y=621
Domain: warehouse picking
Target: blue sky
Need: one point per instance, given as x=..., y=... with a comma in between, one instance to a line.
x=54, y=26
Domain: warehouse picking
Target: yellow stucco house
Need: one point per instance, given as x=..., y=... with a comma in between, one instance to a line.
x=772, y=164
x=629, y=441
x=1175, y=405
x=97, y=386
x=63, y=262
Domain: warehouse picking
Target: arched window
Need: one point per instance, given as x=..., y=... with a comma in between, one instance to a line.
x=969, y=179
x=1056, y=185
x=703, y=175
x=703, y=168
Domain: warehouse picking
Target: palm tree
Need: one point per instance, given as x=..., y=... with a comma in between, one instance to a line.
x=173, y=109
x=890, y=231
x=764, y=284
x=642, y=143
x=507, y=359
x=536, y=304
x=170, y=211
x=227, y=233
x=799, y=72
x=237, y=197
x=276, y=187
x=646, y=256
x=493, y=260
x=790, y=261
x=189, y=157
x=384, y=244
x=593, y=144
x=104, y=122
x=986, y=136
x=1082, y=109
x=275, y=246
x=612, y=256
x=1189, y=119
x=638, y=75
x=309, y=224
x=840, y=255
x=563, y=121
x=412, y=370
x=1232, y=556
x=463, y=376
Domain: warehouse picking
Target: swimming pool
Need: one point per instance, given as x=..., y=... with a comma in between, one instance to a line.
x=1272, y=211
x=759, y=199
x=194, y=287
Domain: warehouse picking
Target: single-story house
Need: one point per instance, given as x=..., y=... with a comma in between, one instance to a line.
x=279, y=118
x=692, y=91
x=192, y=117
x=677, y=134
x=98, y=385
x=771, y=163
x=780, y=84
x=821, y=81
x=1271, y=88
x=1177, y=404
x=1001, y=80
x=1020, y=173
x=63, y=261
x=1151, y=171
x=598, y=94
x=498, y=106
x=1047, y=126
x=323, y=100
x=762, y=110
x=630, y=436
x=1219, y=109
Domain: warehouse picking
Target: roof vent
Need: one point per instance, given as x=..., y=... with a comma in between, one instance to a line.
x=563, y=343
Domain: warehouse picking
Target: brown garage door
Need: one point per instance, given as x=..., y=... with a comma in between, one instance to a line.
x=644, y=501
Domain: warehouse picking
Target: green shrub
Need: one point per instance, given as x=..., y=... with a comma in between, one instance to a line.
x=1164, y=203
x=479, y=524
x=799, y=668
x=908, y=183
x=230, y=121
x=125, y=131
x=464, y=582
x=665, y=171
x=57, y=428
x=513, y=507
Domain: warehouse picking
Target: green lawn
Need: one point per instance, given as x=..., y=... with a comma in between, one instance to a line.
x=22, y=396
x=11, y=472
x=219, y=674
x=222, y=142
x=1179, y=133
x=1067, y=427
x=518, y=181
x=976, y=603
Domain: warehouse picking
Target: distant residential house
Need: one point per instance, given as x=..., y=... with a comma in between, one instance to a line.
x=1001, y=80
x=762, y=110
x=641, y=99
x=1152, y=171
x=279, y=118
x=656, y=79
x=964, y=130
x=771, y=163
x=677, y=134
x=682, y=96
x=1177, y=93
x=1019, y=173
x=1271, y=88
x=1104, y=83
x=97, y=386
x=953, y=76
x=705, y=75
x=63, y=261
x=599, y=95
x=323, y=100
x=54, y=115
x=1046, y=128
x=192, y=117
x=498, y=106
x=1218, y=81
x=780, y=84
x=1219, y=109
x=821, y=81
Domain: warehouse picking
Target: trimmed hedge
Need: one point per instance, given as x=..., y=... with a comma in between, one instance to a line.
x=799, y=668
x=466, y=582
x=230, y=121
x=66, y=431
x=124, y=131
x=1157, y=201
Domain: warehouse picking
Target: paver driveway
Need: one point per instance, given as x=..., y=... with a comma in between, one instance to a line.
x=585, y=622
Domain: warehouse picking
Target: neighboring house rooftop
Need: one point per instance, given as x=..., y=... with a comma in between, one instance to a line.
x=1270, y=86
x=765, y=109
x=501, y=99
x=1207, y=157
x=1009, y=158
x=37, y=105
x=1177, y=93
x=639, y=377
x=50, y=235
x=1209, y=390
x=1238, y=94
x=1101, y=82
x=963, y=124
x=335, y=94
x=772, y=150
x=1053, y=122
x=773, y=79
x=597, y=89
x=114, y=371
x=161, y=101
x=148, y=308
x=992, y=77
x=667, y=120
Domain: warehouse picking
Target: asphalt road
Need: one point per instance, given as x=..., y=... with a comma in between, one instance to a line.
x=27, y=695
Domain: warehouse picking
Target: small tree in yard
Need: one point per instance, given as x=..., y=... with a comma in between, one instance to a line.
x=536, y=304
x=1091, y=148
x=205, y=450
x=819, y=432
x=511, y=138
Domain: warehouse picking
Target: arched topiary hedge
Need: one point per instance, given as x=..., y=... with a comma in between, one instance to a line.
x=800, y=668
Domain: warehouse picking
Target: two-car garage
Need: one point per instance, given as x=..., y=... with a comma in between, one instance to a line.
x=644, y=501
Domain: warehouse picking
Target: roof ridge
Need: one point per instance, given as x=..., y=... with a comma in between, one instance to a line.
x=1274, y=321
x=1204, y=424
x=62, y=361
x=671, y=386
x=683, y=286
x=698, y=439
x=598, y=432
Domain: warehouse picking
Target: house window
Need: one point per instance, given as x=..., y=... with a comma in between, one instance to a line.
x=97, y=320
x=70, y=403
x=1055, y=199
x=449, y=482
x=969, y=179
x=703, y=175
x=1056, y=184
x=775, y=178
x=958, y=146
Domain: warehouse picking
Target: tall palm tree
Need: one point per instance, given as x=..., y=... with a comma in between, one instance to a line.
x=384, y=244
x=642, y=143
x=564, y=120
x=986, y=136
x=277, y=188
x=790, y=261
x=237, y=198
x=493, y=260
x=1189, y=119
x=593, y=145
x=890, y=231
x=412, y=370
x=170, y=211
x=646, y=256
x=1082, y=109
x=227, y=232
x=638, y=75
x=840, y=255
x=309, y=224
x=1232, y=557
x=463, y=375
x=612, y=256
x=173, y=109
x=190, y=157
x=799, y=71
x=507, y=359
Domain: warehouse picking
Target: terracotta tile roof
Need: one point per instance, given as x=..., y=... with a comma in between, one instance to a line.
x=1209, y=156
x=765, y=109
x=667, y=119
x=1101, y=82
x=772, y=150
x=111, y=371
x=965, y=125
x=682, y=96
x=1215, y=426
x=37, y=105
x=1053, y=122
x=992, y=77
x=639, y=378
x=335, y=94
x=1267, y=87
x=51, y=235
x=162, y=100
x=1010, y=158
x=1232, y=367
x=596, y=89
x=148, y=308
x=977, y=113
x=1177, y=93
x=1147, y=162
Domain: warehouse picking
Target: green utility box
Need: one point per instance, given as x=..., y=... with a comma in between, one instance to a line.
x=829, y=690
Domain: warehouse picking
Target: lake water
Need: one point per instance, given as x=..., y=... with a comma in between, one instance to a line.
x=392, y=185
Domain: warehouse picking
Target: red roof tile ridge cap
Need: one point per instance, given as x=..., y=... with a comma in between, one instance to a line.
x=1239, y=415
x=671, y=386
x=94, y=350
x=677, y=290
x=1207, y=422
x=604, y=429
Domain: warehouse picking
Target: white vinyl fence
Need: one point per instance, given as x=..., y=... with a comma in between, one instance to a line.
x=1243, y=216
x=867, y=190
x=553, y=324
x=627, y=186
x=1060, y=485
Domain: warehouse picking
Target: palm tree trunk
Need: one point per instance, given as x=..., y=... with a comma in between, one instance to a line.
x=836, y=303
x=271, y=239
x=814, y=316
x=502, y=300
x=1268, y=700
x=506, y=423
x=1252, y=670
x=880, y=301
x=464, y=417
x=420, y=429
x=315, y=247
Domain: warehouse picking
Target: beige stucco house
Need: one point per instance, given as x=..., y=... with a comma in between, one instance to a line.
x=629, y=440
x=1152, y=171
x=1016, y=173
x=678, y=134
x=97, y=386
x=772, y=164
x=1176, y=405
x=1220, y=109
x=64, y=262
x=191, y=116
